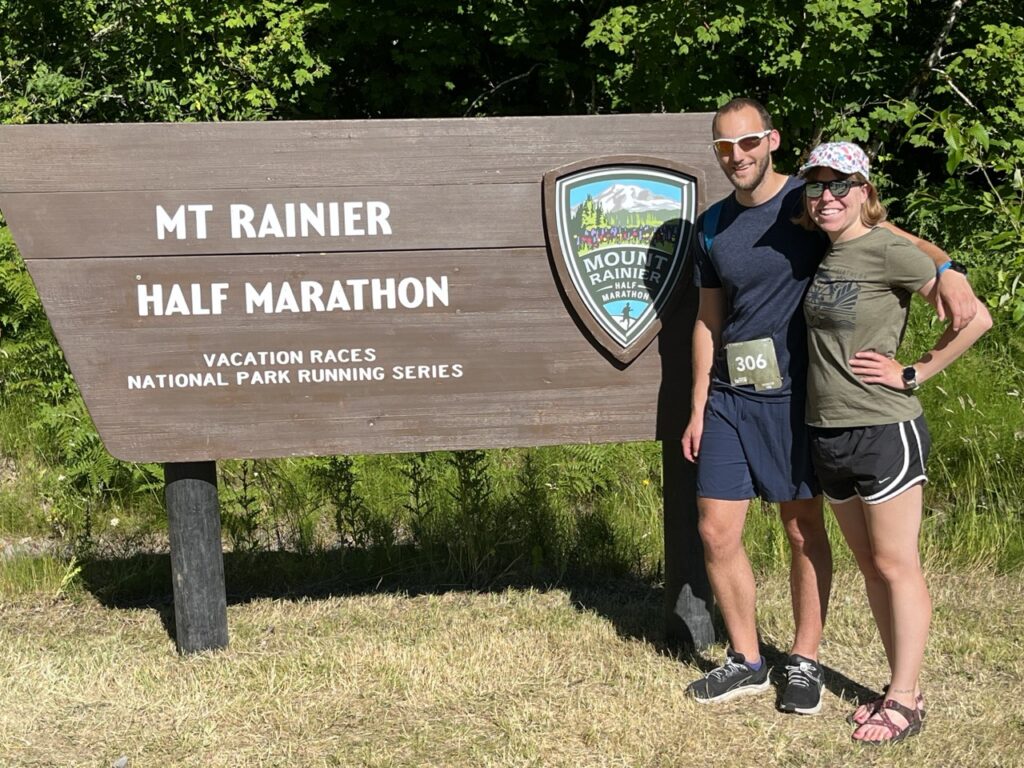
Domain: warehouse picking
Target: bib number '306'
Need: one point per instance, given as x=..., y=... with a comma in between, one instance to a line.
x=753, y=362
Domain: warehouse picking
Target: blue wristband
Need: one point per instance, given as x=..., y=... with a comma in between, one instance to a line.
x=943, y=268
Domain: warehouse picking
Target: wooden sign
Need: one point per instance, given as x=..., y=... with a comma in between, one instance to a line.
x=277, y=289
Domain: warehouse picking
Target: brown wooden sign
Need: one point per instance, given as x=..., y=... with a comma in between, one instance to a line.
x=276, y=289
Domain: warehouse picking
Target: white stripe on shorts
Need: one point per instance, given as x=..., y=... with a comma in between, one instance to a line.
x=900, y=483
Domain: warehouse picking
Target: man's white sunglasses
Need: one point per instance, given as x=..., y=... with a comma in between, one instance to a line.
x=747, y=142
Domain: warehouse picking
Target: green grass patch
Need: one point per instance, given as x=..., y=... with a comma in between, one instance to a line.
x=22, y=574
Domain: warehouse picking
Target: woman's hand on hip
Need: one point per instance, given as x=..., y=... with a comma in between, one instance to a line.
x=874, y=368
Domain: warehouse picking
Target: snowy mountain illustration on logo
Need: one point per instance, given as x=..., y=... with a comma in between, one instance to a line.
x=621, y=232
x=632, y=198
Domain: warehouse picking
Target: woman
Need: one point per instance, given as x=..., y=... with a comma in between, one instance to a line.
x=868, y=435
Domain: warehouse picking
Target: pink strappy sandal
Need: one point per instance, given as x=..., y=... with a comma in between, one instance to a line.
x=867, y=710
x=897, y=733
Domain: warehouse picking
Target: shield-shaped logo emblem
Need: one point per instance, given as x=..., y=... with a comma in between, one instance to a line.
x=618, y=232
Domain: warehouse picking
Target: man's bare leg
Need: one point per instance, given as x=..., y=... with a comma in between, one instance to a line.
x=732, y=579
x=729, y=571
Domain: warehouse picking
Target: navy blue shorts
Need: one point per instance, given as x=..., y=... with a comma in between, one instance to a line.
x=874, y=463
x=754, y=447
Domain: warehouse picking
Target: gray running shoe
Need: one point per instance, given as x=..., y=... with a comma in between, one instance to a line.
x=734, y=678
x=804, y=683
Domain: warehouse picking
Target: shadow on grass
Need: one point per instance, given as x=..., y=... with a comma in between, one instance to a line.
x=635, y=607
x=632, y=605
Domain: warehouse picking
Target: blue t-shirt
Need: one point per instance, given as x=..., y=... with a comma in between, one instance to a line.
x=763, y=263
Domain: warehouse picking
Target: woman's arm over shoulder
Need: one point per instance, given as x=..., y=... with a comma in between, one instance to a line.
x=930, y=249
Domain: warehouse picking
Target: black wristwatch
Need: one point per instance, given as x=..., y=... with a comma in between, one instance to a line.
x=910, y=377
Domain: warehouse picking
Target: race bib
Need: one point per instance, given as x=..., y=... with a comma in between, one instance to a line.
x=753, y=362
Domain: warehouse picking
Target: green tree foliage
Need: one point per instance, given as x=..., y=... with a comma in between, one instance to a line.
x=31, y=363
x=122, y=60
x=976, y=119
x=171, y=60
x=820, y=66
x=433, y=58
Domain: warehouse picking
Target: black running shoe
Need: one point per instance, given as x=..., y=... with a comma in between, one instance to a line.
x=734, y=678
x=804, y=682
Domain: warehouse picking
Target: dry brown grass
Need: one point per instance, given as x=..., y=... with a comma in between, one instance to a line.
x=509, y=678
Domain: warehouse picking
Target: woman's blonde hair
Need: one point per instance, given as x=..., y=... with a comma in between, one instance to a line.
x=872, y=213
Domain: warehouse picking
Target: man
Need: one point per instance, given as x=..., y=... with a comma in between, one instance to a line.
x=753, y=267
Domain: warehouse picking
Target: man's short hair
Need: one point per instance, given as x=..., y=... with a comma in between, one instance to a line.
x=743, y=103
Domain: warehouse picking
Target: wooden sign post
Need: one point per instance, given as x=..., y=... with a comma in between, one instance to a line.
x=312, y=288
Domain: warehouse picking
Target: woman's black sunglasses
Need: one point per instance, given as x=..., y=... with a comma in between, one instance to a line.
x=838, y=187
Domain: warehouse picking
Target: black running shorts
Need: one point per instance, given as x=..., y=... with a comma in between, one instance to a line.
x=875, y=463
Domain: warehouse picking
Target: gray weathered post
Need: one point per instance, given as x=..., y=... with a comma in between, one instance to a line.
x=689, y=602
x=688, y=597
x=197, y=558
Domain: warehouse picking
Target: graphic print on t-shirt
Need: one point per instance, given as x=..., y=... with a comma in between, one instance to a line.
x=831, y=301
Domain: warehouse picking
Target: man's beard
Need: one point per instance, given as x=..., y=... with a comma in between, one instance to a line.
x=761, y=167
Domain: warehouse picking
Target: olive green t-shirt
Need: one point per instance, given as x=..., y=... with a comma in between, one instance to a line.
x=860, y=300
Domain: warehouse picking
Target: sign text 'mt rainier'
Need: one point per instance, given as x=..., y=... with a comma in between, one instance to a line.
x=274, y=289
